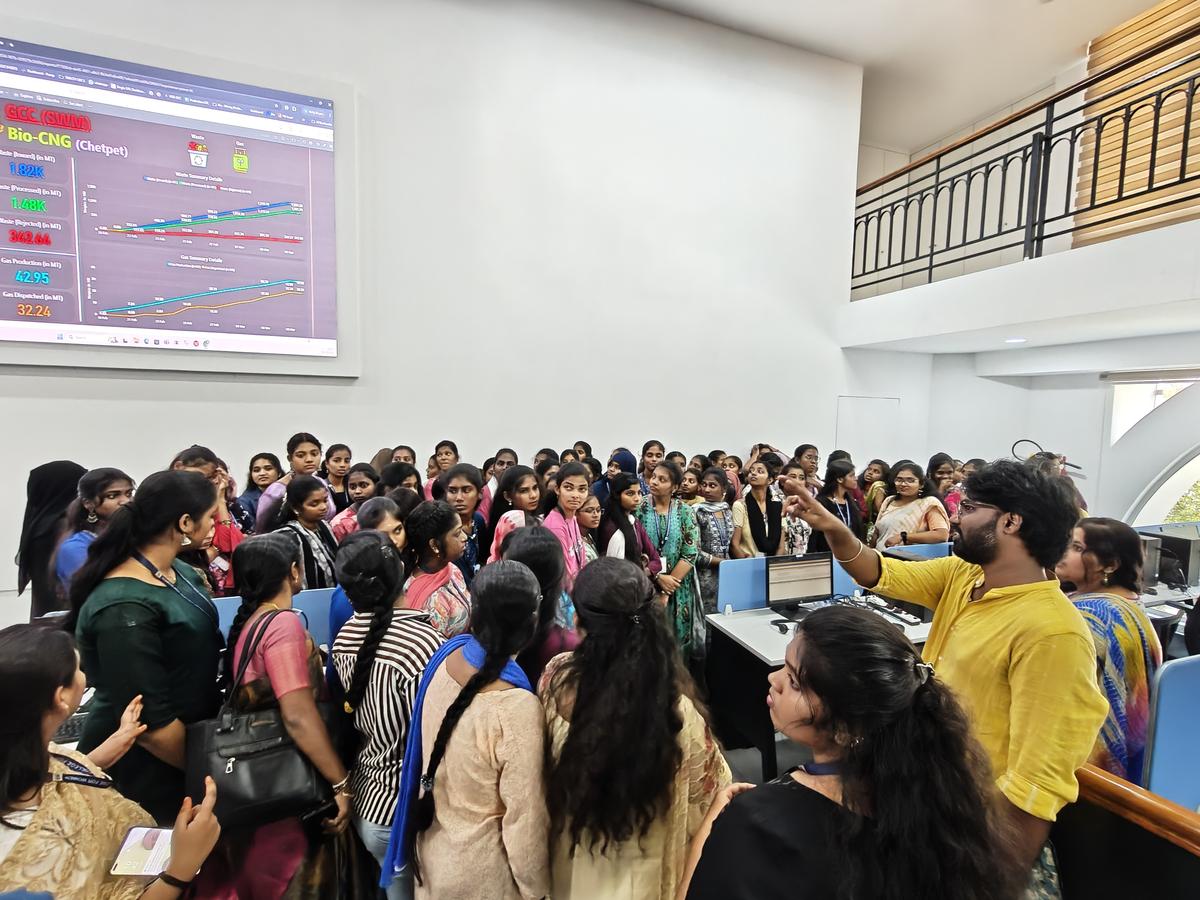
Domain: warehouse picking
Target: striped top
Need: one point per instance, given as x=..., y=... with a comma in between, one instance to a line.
x=383, y=714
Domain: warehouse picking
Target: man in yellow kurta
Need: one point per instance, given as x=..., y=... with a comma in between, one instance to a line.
x=1004, y=636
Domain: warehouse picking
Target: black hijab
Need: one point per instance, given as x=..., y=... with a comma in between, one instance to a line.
x=50, y=490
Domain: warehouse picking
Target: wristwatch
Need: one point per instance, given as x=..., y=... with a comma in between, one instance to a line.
x=904, y=537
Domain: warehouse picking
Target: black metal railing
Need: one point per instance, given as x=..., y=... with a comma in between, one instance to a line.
x=1040, y=179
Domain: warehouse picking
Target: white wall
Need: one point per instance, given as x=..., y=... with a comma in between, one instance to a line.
x=978, y=416
x=578, y=219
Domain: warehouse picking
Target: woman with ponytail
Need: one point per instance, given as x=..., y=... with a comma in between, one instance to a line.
x=898, y=802
x=283, y=671
x=146, y=625
x=634, y=766
x=380, y=655
x=471, y=818
x=539, y=551
x=385, y=516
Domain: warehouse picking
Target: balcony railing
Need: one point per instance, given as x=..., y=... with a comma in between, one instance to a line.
x=1119, y=150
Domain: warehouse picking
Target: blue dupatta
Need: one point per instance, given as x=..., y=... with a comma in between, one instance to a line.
x=398, y=855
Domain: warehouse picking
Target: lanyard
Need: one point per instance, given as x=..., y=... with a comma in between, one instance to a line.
x=845, y=518
x=661, y=538
x=83, y=774
x=205, y=605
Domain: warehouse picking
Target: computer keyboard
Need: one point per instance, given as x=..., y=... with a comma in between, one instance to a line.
x=882, y=607
x=70, y=730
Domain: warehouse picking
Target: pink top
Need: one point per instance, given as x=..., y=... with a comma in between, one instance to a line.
x=509, y=522
x=282, y=654
x=569, y=535
x=345, y=523
x=485, y=500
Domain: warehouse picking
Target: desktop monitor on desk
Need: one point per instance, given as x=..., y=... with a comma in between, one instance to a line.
x=1181, y=541
x=796, y=582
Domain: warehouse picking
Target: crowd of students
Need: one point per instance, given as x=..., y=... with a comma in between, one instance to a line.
x=518, y=657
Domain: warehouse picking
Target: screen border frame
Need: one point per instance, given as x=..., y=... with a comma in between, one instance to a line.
x=784, y=559
x=348, y=362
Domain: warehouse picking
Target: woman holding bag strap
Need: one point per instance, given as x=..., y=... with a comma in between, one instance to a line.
x=284, y=667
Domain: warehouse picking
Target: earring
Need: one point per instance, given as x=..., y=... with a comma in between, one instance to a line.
x=1105, y=581
x=186, y=542
x=92, y=518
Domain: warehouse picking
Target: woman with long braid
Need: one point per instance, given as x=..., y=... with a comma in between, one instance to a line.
x=284, y=671
x=380, y=654
x=472, y=819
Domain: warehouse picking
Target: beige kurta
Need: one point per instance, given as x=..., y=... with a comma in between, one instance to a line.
x=72, y=840
x=651, y=867
x=490, y=835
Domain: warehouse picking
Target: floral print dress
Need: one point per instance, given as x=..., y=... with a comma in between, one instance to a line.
x=676, y=537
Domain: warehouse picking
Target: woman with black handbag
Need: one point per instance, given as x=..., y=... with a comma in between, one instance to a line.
x=274, y=663
x=146, y=625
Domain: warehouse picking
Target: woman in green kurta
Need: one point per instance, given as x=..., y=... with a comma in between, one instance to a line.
x=146, y=625
x=671, y=526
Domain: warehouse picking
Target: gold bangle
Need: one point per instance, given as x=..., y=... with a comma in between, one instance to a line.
x=846, y=562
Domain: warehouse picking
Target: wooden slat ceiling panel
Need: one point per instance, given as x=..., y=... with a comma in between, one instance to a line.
x=1100, y=170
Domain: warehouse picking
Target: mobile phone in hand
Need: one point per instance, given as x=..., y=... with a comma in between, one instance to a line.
x=144, y=852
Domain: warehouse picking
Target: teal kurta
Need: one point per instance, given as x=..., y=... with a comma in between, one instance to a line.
x=676, y=537
x=136, y=638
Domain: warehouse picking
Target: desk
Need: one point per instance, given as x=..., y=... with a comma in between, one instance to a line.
x=1166, y=609
x=1164, y=594
x=745, y=649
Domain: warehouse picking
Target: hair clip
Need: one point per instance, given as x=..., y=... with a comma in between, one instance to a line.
x=924, y=671
x=427, y=783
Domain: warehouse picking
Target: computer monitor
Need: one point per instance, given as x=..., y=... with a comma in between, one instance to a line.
x=1183, y=542
x=796, y=580
x=1151, y=559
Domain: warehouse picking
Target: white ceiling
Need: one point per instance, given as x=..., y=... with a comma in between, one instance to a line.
x=1109, y=325
x=931, y=67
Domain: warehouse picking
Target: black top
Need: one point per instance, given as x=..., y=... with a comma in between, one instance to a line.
x=847, y=512
x=773, y=841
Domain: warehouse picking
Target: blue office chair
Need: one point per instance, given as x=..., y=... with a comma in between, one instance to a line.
x=743, y=584
x=1173, y=742
x=314, y=604
x=227, y=608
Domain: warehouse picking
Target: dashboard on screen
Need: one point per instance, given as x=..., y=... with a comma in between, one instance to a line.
x=141, y=207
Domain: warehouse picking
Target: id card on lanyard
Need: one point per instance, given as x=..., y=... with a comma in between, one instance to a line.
x=205, y=605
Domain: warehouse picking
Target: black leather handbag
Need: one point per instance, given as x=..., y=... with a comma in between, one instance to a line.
x=261, y=775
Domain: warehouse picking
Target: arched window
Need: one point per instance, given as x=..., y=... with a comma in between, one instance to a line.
x=1177, y=500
